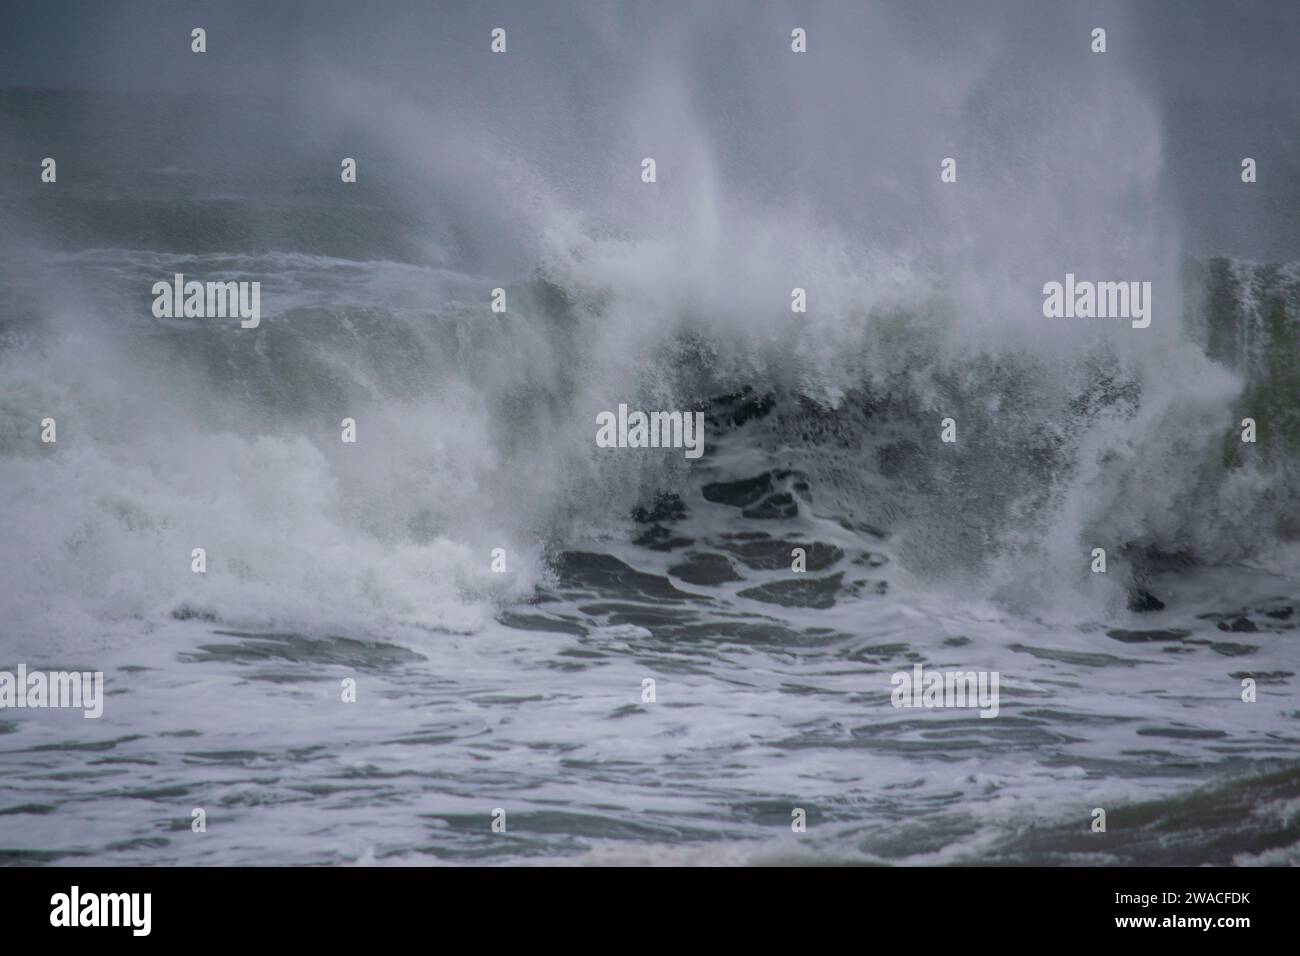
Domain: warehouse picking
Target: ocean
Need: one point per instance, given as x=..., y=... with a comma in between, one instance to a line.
x=474, y=635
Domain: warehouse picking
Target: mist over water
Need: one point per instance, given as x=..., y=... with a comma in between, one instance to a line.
x=475, y=430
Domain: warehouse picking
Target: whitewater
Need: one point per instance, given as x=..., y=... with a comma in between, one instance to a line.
x=519, y=683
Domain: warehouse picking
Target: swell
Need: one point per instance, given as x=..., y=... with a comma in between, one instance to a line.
x=1057, y=453
x=477, y=430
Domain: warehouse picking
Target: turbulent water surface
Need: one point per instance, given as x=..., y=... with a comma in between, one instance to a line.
x=522, y=689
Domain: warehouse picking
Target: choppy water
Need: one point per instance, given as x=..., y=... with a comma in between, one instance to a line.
x=760, y=707
x=772, y=692
x=522, y=690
